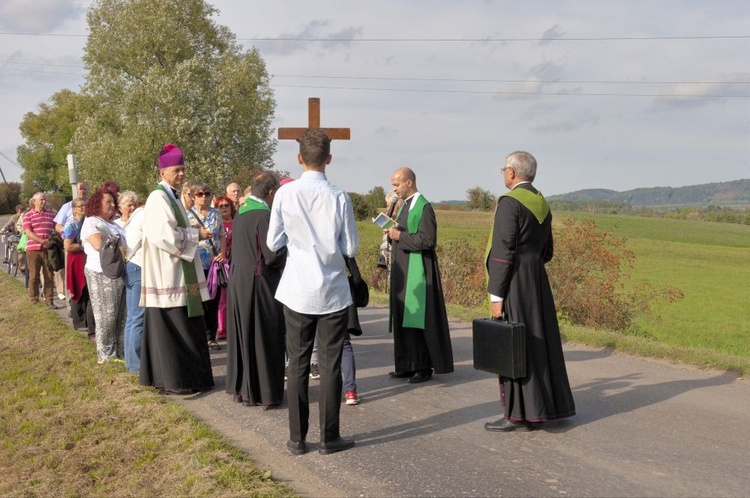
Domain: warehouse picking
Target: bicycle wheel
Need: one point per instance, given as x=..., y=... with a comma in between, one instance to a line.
x=13, y=262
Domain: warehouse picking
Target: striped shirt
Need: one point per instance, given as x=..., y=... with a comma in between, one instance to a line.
x=42, y=224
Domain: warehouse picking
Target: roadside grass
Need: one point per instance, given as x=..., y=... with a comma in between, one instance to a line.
x=71, y=427
x=709, y=262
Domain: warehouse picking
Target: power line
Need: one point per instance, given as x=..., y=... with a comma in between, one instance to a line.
x=467, y=80
x=443, y=80
x=444, y=40
x=501, y=92
x=500, y=40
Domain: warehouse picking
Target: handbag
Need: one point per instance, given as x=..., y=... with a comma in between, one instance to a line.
x=21, y=247
x=499, y=347
x=110, y=257
x=358, y=287
x=221, y=275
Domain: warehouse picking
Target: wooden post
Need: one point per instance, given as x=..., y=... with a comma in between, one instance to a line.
x=313, y=121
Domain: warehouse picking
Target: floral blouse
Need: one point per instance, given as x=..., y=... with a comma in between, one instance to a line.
x=213, y=223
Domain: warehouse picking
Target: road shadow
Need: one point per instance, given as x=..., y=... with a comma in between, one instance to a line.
x=595, y=400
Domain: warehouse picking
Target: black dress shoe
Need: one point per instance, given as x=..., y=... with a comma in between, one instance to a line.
x=400, y=375
x=336, y=445
x=419, y=377
x=297, y=447
x=506, y=425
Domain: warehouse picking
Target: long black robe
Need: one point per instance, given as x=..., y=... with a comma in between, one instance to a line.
x=417, y=349
x=520, y=248
x=255, y=320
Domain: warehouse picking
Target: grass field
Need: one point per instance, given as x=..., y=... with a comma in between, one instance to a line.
x=709, y=262
x=70, y=427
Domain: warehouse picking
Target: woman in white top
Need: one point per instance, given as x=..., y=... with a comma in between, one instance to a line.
x=127, y=202
x=107, y=294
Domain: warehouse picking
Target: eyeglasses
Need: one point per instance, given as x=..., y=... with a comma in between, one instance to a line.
x=222, y=206
x=203, y=194
x=504, y=168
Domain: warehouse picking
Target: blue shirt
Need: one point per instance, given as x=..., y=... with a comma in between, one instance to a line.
x=65, y=214
x=315, y=220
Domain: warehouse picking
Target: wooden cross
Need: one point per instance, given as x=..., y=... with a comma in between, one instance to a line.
x=313, y=121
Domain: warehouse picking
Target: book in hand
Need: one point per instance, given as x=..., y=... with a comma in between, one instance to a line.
x=384, y=221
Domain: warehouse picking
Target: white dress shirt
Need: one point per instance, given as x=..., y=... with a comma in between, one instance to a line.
x=315, y=220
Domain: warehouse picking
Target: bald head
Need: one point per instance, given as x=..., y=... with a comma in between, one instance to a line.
x=404, y=182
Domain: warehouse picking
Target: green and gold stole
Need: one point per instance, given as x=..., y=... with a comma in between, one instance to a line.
x=253, y=205
x=192, y=288
x=536, y=203
x=415, y=300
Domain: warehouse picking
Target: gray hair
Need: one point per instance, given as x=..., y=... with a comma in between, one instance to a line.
x=389, y=197
x=523, y=163
x=126, y=196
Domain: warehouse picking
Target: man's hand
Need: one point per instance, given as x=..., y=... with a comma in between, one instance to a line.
x=496, y=310
x=393, y=232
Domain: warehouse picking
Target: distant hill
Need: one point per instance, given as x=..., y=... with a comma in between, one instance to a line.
x=722, y=194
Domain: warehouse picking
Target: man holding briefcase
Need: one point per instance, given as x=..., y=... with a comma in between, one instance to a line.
x=520, y=245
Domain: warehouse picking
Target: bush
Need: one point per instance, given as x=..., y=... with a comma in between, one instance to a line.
x=462, y=273
x=587, y=279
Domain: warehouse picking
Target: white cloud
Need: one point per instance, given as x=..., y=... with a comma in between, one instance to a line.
x=37, y=15
x=571, y=103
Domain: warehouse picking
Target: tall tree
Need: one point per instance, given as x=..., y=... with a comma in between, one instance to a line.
x=162, y=71
x=47, y=135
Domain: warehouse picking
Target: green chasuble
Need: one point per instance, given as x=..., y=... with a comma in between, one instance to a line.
x=536, y=203
x=253, y=205
x=415, y=301
x=192, y=288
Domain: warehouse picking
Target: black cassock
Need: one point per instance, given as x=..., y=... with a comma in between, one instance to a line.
x=255, y=320
x=416, y=349
x=520, y=248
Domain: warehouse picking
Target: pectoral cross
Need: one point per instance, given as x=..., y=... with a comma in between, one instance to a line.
x=313, y=121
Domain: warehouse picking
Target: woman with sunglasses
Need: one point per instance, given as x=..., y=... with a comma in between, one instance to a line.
x=226, y=207
x=209, y=250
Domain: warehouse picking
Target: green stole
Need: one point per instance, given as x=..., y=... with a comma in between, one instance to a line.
x=536, y=203
x=192, y=288
x=253, y=205
x=415, y=301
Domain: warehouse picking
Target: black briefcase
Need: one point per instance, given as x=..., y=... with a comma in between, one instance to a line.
x=499, y=347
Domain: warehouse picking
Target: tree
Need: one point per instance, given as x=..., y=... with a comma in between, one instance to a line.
x=480, y=199
x=47, y=136
x=10, y=197
x=162, y=71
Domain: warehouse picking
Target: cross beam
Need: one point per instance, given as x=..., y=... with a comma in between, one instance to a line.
x=313, y=121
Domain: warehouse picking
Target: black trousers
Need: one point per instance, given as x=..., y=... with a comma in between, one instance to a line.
x=300, y=334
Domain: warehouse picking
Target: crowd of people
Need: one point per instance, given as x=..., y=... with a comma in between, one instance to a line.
x=157, y=285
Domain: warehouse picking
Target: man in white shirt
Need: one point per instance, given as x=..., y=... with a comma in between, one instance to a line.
x=315, y=220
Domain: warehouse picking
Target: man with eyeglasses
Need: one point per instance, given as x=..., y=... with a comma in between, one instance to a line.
x=520, y=244
x=174, y=352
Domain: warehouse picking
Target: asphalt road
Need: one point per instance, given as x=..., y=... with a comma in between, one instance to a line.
x=643, y=428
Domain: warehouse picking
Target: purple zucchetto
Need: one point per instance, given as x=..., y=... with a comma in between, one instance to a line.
x=170, y=155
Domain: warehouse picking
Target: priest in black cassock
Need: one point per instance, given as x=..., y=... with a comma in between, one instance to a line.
x=256, y=330
x=418, y=318
x=520, y=245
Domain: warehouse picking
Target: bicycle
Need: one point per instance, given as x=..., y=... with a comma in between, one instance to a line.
x=11, y=253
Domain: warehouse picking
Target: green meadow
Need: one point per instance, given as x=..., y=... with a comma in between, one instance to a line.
x=709, y=262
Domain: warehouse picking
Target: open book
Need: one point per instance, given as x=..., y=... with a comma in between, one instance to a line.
x=384, y=221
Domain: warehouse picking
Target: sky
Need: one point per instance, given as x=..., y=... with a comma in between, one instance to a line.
x=614, y=95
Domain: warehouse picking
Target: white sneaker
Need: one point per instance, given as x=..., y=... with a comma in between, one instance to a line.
x=61, y=297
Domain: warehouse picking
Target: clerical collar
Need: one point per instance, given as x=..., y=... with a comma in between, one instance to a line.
x=169, y=188
x=520, y=183
x=259, y=200
x=412, y=197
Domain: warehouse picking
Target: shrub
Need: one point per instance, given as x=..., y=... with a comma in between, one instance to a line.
x=588, y=279
x=462, y=273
